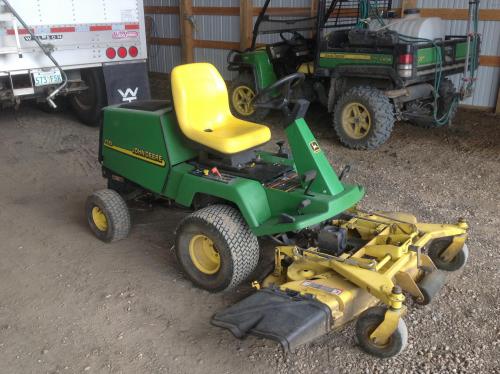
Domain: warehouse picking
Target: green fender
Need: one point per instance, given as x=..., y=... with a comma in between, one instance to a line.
x=248, y=195
x=262, y=67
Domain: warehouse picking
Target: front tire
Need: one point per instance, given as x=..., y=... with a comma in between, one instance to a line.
x=216, y=249
x=369, y=320
x=363, y=118
x=108, y=215
x=88, y=104
x=241, y=93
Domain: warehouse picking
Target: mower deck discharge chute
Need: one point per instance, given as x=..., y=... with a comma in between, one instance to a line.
x=333, y=262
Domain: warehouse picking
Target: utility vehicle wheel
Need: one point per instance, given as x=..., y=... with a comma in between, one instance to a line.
x=363, y=118
x=108, y=215
x=369, y=320
x=89, y=103
x=216, y=248
x=447, y=93
x=436, y=249
x=241, y=93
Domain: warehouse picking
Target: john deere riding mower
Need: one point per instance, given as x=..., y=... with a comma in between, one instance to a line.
x=333, y=262
x=365, y=67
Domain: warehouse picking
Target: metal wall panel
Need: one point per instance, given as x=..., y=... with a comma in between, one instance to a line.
x=226, y=28
x=223, y=28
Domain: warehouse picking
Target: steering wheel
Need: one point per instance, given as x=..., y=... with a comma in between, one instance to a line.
x=277, y=95
x=296, y=39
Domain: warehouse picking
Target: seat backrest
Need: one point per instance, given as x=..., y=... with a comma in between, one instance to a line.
x=200, y=97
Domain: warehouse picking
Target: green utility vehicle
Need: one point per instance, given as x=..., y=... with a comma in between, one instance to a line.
x=367, y=68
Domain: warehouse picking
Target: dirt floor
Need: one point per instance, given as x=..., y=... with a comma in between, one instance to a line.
x=70, y=303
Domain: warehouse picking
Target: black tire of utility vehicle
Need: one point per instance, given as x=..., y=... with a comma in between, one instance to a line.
x=381, y=114
x=367, y=322
x=447, y=93
x=438, y=246
x=88, y=104
x=116, y=212
x=246, y=80
x=237, y=247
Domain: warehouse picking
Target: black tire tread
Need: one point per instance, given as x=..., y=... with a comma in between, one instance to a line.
x=116, y=210
x=373, y=317
x=228, y=222
x=382, y=115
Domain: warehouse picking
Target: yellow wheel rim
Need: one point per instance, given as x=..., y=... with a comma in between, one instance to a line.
x=356, y=120
x=242, y=100
x=204, y=255
x=99, y=219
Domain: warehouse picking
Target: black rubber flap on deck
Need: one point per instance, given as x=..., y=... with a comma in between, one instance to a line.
x=290, y=319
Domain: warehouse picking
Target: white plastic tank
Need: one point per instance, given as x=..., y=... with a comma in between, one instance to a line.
x=413, y=25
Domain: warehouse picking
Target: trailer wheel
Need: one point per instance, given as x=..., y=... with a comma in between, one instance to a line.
x=363, y=118
x=216, y=249
x=447, y=93
x=108, y=215
x=89, y=103
x=437, y=247
x=241, y=93
x=369, y=320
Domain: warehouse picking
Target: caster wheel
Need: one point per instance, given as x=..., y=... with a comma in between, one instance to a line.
x=437, y=248
x=369, y=320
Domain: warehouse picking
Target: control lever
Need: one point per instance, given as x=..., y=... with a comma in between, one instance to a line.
x=345, y=171
x=309, y=177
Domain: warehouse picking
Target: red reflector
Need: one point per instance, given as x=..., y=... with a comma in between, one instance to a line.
x=122, y=52
x=406, y=59
x=110, y=53
x=133, y=51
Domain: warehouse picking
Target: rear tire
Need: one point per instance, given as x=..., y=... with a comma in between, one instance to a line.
x=88, y=104
x=241, y=90
x=216, y=249
x=363, y=118
x=108, y=215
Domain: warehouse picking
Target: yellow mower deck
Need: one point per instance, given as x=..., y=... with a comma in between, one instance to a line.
x=391, y=260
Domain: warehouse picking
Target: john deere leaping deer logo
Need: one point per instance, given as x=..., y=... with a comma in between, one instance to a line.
x=315, y=146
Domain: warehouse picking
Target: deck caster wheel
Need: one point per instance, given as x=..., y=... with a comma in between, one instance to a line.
x=436, y=249
x=108, y=215
x=216, y=249
x=369, y=320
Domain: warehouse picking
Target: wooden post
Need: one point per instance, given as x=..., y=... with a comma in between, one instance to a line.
x=186, y=28
x=246, y=24
x=408, y=4
x=314, y=11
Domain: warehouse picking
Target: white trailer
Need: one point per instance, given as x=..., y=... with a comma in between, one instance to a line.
x=90, y=52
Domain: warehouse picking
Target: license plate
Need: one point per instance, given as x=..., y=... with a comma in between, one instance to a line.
x=47, y=77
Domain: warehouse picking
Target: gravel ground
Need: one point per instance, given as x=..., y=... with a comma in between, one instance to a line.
x=71, y=304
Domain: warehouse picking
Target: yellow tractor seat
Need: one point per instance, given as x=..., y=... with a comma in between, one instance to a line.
x=202, y=108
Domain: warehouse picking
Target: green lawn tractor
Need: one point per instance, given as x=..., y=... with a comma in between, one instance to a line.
x=333, y=261
x=363, y=66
